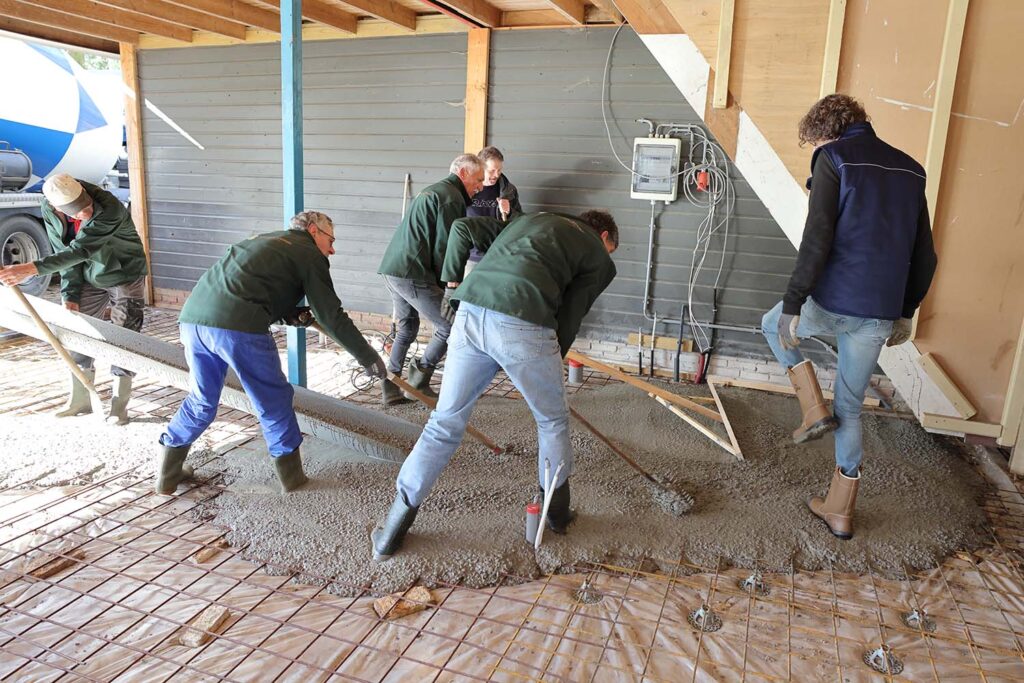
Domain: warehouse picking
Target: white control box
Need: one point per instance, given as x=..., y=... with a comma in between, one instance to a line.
x=655, y=169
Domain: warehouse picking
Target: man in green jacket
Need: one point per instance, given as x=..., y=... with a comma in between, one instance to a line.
x=225, y=323
x=519, y=311
x=100, y=259
x=412, y=271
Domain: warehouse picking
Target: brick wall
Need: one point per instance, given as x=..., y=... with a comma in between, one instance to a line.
x=621, y=353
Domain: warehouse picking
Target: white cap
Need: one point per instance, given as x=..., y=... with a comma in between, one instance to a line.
x=66, y=194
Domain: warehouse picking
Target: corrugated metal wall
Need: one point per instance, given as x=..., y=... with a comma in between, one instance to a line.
x=378, y=109
x=374, y=110
x=545, y=116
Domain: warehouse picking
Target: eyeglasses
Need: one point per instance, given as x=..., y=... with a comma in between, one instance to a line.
x=324, y=233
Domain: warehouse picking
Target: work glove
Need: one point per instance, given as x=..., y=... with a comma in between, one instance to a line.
x=900, y=332
x=787, y=331
x=377, y=369
x=302, y=316
x=447, y=310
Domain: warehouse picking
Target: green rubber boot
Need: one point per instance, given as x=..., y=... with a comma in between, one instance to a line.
x=289, y=471
x=559, y=515
x=419, y=379
x=387, y=538
x=390, y=393
x=118, y=414
x=173, y=469
x=79, y=401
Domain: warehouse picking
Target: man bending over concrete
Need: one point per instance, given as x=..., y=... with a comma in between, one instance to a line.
x=519, y=311
x=866, y=261
x=412, y=271
x=100, y=259
x=225, y=323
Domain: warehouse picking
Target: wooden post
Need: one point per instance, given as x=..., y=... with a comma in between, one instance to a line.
x=833, y=47
x=136, y=158
x=723, y=55
x=291, y=145
x=478, y=64
x=1013, y=409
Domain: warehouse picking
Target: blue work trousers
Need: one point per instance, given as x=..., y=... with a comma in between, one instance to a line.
x=860, y=342
x=210, y=351
x=482, y=342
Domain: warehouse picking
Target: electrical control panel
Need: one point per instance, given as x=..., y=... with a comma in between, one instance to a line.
x=656, y=169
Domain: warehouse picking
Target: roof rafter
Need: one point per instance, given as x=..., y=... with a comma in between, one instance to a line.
x=34, y=14
x=160, y=9
x=573, y=10
x=56, y=35
x=235, y=10
x=480, y=11
x=329, y=15
x=88, y=9
x=386, y=10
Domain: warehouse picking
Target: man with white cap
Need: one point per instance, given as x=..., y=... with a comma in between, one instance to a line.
x=100, y=259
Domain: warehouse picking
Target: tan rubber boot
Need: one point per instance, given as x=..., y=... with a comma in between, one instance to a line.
x=836, y=508
x=818, y=420
x=118, y=414
x=79, y=402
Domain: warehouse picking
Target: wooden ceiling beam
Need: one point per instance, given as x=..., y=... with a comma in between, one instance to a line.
x=573, y=10
x=32, y=13
x=329, y=15
x=480, y=11
x=56, y=35
x=177, y=14
x=87, y=9
x=608, y=7
x=235, y=10
x=385, y=10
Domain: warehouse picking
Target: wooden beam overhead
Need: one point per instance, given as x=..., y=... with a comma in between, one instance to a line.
x=32, y=13
x=160, y=9
x=329, y=15
x=235, y=10
x=833, y=47
x=609, y=8
x=385, y=10
x=57, y=35
x=721, y=93
x=573, y=10
x=88, y=9
x=479, y=11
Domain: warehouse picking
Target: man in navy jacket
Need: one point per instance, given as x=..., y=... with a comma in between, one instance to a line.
x=866, y=261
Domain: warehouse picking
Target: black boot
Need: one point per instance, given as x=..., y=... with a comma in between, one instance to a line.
x=390, y=393
x=289, y=471
x=173, y=469
x=419, y=378
x=387, y=539
x=559, y=515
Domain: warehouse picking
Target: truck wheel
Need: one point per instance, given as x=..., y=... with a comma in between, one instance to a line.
x=23, y=240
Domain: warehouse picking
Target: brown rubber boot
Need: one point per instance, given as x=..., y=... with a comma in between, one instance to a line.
x=818, y=420
x=836, y=509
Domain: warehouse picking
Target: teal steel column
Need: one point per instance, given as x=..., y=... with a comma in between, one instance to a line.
x=291, y=145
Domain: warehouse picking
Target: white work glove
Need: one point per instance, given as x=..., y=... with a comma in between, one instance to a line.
x=377, y=369
x=900, y=332
x=787, y=331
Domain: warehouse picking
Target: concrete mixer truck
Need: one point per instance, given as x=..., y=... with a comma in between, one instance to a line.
x=54, y=117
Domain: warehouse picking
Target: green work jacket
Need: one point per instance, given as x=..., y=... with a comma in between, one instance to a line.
x=544, y=268
x=106, y=252
x=262, y=279
x=416, y=251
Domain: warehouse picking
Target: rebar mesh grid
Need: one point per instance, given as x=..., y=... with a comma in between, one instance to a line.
x=135, y=582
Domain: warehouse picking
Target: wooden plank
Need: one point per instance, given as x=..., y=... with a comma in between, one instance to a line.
x=236, y=10
x=573, y=10
x=663, y=343
x=478, y=57
x=955, y=424
x=723, y=54
x=1013, y=408
x=136, y=154
x=944, y=384
x=649, y=16
x=833, y=47
x=46, y=568
x=57, y=35
x=776, y=388
x=205, y=626
x=736, y=450
x=609, y=8
x=115, y=17
x=212, y=549
x=29, y=12
x=329, y=15
x=385, y=10
x=396, y=606
x=725, y=445
x=723, y=122
x=640, y=384
x=945, y=83
x=160, y=9
x=478, y=10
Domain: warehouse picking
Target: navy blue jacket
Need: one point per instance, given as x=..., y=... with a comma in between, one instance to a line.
x=867, y=248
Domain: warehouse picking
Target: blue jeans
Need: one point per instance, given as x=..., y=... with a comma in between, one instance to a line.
x=860, y=342
x=210, y=351
x=484, y=341
x=413, y=299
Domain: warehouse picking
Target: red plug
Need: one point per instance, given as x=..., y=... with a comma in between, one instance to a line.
x=702, y=181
